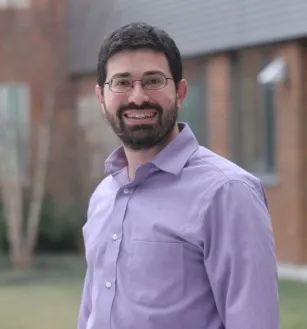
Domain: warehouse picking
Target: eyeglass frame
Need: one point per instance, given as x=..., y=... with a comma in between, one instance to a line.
x=140, y=80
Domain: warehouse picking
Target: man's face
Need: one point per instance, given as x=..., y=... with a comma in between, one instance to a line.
x=145, y=115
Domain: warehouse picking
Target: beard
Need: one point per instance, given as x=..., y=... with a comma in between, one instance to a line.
x=144, y=136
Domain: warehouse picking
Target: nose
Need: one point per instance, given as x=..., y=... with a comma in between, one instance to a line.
x=138, y=95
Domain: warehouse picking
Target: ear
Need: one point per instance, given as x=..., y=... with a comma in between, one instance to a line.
x=182, y=91
x=100, y=96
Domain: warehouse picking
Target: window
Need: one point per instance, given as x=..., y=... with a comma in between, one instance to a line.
x=253, y=115
x=193, y=111
x=18, y=4
x=15, y=126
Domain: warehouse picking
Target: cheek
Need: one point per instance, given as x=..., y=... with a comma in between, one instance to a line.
x=113, y=102
x=172, y=101
x=165, y=100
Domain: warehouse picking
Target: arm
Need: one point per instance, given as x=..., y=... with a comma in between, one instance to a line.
x=86, y=300
x=86, y=304
x=240, y=258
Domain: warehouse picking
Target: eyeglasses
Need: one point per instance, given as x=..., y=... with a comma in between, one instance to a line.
x=150, y=82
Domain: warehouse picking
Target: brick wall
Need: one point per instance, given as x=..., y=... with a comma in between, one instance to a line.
x=304, y=145
x=219, y=104
x=287, y=201
x=286, y=197
x=33, y=50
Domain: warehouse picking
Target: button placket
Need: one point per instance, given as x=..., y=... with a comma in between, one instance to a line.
x=113, y=248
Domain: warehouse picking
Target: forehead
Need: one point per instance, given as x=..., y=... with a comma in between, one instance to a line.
x=137, y=62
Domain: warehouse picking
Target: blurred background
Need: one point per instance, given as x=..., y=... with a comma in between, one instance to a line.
x=246, y=64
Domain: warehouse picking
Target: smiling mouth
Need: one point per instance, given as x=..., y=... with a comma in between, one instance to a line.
x=146, y=115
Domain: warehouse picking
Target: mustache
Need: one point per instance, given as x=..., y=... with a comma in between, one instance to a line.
x=144, y=106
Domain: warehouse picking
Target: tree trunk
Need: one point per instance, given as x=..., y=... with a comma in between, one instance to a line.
x=22, y=245
x=11, y=187
x=40, y=172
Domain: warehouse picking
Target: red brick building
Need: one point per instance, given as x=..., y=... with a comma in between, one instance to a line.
x=33, y=62
x=261, y=126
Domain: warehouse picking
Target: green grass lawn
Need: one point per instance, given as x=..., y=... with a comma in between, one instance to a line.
x=293, y=305
x=47, y=299
x=40, y=306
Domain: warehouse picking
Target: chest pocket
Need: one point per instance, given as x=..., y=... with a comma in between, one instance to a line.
x=156, y=273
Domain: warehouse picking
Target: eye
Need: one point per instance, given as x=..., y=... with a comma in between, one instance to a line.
x=153, y=81
x=122, y=82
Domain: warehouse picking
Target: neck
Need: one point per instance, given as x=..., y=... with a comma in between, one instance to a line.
x=137, y=158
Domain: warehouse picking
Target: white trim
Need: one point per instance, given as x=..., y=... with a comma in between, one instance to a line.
x=274, y=72
x=18, y=4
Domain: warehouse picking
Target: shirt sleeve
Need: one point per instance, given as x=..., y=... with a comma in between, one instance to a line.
x=86, y=304
x=86, y=300
x=240, y=257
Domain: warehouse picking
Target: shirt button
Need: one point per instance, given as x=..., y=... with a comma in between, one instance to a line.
x=108, y=284
x=126, y=191
x=114, y=237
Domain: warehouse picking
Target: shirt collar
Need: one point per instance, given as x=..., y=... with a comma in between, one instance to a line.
x=172, y=158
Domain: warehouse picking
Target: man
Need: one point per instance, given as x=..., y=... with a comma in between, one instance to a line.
x=177, y=237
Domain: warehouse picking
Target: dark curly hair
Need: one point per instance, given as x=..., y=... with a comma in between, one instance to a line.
x=139, y=35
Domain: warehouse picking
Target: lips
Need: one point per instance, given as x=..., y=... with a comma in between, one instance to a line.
x=140, y=114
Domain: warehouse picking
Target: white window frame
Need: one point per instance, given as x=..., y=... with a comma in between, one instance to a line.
x=14, y=4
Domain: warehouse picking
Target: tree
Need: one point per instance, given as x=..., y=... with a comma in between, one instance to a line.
x=22, y=232
x=48, y=18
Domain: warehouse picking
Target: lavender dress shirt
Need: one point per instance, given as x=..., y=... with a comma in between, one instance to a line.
x=187, y=244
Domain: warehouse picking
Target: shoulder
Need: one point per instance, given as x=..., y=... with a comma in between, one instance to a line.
x=212, y=167
x=210, y=174
x=235, y=198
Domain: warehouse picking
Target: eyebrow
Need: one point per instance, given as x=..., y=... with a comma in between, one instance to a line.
x=128, y=75
x=154, y=72
x=121, y=75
